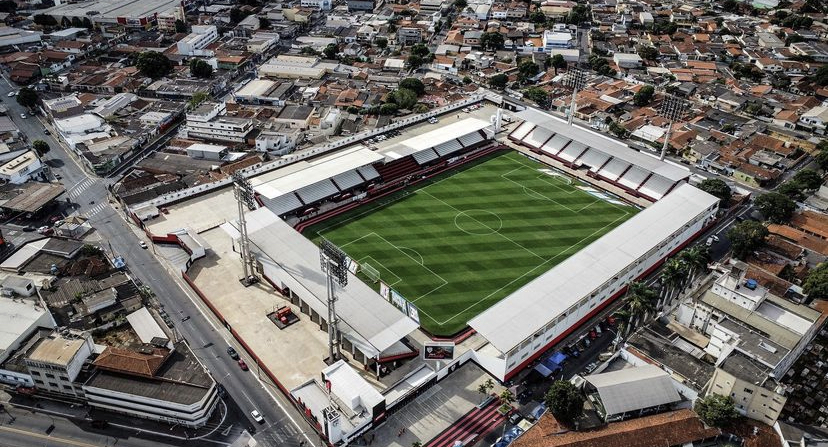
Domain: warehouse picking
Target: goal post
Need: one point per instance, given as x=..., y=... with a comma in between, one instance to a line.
x=370, y=272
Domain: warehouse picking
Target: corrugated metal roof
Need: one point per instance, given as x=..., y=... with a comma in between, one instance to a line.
x=633, y=389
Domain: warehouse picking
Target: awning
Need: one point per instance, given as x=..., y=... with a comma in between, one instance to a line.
x=543, y=370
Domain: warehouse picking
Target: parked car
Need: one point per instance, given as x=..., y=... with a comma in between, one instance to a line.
x=29, y=229
x=257, y=416
x=23, y=115
x=11, y=94
x=43, y=229
x=143, y=244
x=243, y=365
x=233, y=354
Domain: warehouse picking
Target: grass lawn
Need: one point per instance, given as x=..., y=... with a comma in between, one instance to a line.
x=471, y=237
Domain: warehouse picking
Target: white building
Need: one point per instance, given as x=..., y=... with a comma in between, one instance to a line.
x=552, y=39
x=20, y=319
x=207, y=151
x=525, y=324
x=56, y=361
x=627, y=60
x=208, y=122
x=21, y=169
x=195, y=42
x=277, y=142
x=322, y=5
x=816, y=119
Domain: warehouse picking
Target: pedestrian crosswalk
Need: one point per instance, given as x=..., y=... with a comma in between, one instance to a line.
x=95, y=210
x=78, y=189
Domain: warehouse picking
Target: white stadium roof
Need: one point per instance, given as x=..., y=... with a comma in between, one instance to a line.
x=299, y=175
x=366, y=316
x=435, y=138
x=523, y=313
x=633, y=389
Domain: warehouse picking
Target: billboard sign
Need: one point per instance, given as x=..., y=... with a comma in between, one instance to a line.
x=438, y=351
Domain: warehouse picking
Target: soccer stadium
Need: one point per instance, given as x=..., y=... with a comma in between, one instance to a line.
x=461, y=241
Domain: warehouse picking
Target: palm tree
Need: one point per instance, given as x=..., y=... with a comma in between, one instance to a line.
x=506, y=398
x=695, y=258
x=672, y=277
x=485, y=387
x=640, y=300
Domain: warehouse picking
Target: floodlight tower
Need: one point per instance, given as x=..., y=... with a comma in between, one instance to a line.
x=334, y=264
x=672, y=108
x=575, y=78
x=245, y=198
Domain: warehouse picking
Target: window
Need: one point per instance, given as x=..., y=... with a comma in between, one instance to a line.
x=748, y=390
x=53, y=384
x=50, y=376
x=67, y=387
x=35, y=373
x=64, y=378
x=39, y=381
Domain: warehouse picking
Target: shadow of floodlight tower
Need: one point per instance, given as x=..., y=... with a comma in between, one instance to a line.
x=576, y=79
x=672, y=108
x=334, y=263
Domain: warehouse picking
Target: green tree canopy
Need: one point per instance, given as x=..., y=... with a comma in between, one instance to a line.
x=420, y=50
x=180, y=26
x=776, y=207
x=460, y=4
x=498, y=81
x=27, y=97
x=565, y=401
x=200, y=69
x=153, y=64
x=822, y=159
x=644, y=95
x=415, y=61
x=381, y=42
x=538, y=95
x=747, y=236
x=816, y=284
x=331, y=51
x=41, y=147
x=492, y=41
x=792, y=189
x=808, y=178
x=648, y=52
x=557, y=62
x=403, y=98
x=717, y=187
x=413, y=84
x=528, y=69
x=389, y=108
x=716, y=410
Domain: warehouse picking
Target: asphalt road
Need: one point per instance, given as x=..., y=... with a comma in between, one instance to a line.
x=283, y=426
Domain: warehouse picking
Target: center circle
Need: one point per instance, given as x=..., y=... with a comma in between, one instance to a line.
x=478, y=222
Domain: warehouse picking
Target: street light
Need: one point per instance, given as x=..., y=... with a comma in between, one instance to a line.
x=575, y=78
x=672, y=108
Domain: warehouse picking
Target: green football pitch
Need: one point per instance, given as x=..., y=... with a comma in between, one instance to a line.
x=470, y=237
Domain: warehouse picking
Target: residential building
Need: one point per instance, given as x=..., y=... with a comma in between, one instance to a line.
x=20, y=319
x=208, y=122
x=207, y=151
x=21, y=169
x=322, y=5
x=198, y=39
x=363, y=5
x=553, y=39
x=816, y=119
x=56, y=362
x=63, y=107
x=166, y=20
x=627, y=60
x=409, y=35
x=278, y=141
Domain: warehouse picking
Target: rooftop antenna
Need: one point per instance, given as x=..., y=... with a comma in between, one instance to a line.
x=334, y=264
x=575, y=78
x=245, y=198
x=672, y=108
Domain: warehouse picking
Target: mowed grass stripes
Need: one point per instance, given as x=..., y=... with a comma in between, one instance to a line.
x=470, y=238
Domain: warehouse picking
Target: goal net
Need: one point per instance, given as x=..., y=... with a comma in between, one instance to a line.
x=370, y=272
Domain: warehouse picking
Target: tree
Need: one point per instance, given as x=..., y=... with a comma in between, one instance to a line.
x=403, y=98
x=419, y=108
x=492, y=41
x=537, y=16
x=716, y=410
x=776, y=207
x=644, y=95
x=639, y=301
x=808, y=178
x=695, y=259
x=648, y=52
x=198, y=98
x=330, y=51
x=389, y=108
x=718, y=188
x=309, y=51
x=416, y=444
x=745, y=237
x=485, y=388
x=41, y=147
x=498, y=81
x=27, y=97
x=8, y=6
x=730, y=6
x=538, y=95
x=381, y=42
x=816, y=283
x=413, y=84
x=672, y=279
x=527, y=69
x=415, y=61
x=153, y=64
x=578, y=15
x=822, y=159
x=460, y=4
x=565, y=401
x=506, y=398
x=793, y=190
x=237, y=15
x=180, y=26
x=467, y=80
x=200, y=69
x=420, y=50
x=557, y=62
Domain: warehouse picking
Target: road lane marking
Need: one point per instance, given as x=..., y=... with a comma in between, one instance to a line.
x=46, y=437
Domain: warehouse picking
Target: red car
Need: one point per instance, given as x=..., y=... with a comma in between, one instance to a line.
x=593, y=335
x=242, y=365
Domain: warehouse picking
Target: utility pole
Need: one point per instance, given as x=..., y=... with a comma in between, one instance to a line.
x=673, y=109
x=245, y=199
x=334, y=263
x=575, y=78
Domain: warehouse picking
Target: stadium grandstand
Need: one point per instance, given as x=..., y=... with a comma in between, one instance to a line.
x=638, y=174
x=523, y=325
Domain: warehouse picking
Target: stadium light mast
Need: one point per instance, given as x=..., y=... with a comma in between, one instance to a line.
x=575, y=78
x=672, y=108
x=334, y=264
x=243, y=191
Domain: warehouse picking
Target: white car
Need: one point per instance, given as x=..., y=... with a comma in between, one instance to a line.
x=257, y=416
x=143, y=244
x=11, y=94
x=23, y=115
